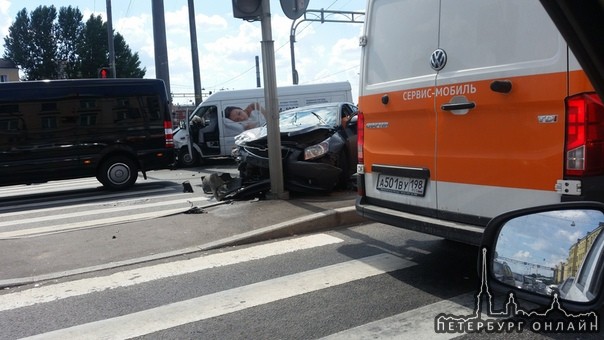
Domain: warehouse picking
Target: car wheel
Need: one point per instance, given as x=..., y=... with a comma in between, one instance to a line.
x=185, y=159
x=118, y=173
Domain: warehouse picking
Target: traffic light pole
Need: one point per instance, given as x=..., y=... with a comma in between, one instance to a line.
x=110, y=41
x=272, y=106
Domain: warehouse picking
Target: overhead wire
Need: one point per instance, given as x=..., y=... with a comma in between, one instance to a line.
x=279, y=48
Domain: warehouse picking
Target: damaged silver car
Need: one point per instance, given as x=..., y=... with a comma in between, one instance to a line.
x=318, y=148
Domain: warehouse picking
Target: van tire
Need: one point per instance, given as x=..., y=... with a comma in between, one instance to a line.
x=185, y=160
x=118, y=173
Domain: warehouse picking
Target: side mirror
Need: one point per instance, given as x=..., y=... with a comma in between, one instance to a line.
x=182, y=124
x=352, y=122
x=550, y=250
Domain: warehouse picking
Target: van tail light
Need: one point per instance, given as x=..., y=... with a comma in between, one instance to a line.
x=584, y=148
x=360, y=137
x=360, y=154
x=168, y=134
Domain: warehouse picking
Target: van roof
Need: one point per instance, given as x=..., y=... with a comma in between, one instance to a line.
x=281, y=90
x=52, y=89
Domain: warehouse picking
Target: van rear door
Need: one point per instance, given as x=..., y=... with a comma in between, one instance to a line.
x=500, y=108
x=400, y=121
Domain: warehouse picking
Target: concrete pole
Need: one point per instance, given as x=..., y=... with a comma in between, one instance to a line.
x=110, y=41
x=258, y=84
x=272, y=106
x=194, y=53
x=162, y=70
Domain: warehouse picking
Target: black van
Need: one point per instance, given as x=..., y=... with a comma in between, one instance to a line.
x=64, y=129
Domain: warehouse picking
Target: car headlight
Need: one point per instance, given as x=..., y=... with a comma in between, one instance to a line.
x=317, y=150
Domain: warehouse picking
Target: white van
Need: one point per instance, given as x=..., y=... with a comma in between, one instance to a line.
x=213, y=131
x=469, y=109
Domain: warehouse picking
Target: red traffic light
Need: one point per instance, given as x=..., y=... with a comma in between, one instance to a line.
x=104, y=72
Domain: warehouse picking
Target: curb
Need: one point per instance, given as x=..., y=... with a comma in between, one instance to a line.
x=328, y=219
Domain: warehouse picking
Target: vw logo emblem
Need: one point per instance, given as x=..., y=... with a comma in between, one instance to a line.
x=438, y=59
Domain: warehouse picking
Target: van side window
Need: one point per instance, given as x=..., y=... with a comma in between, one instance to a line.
x=87, y=103
x=45, y=107
x=154, y=109
x=88, y=110
x=126, y=109
x=10, y=108
x=87, y=119
x=10, y=124
x=48, y=122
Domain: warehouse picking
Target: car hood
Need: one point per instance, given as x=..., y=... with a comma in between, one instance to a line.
x=299, y=134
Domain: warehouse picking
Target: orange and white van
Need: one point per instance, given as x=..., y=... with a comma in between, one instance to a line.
x=471, y=108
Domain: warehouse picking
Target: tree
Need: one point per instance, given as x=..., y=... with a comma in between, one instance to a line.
x=43, y=44
x=93, y=50
x=31, y=43
x=69, y=31
x=127, y=64
x=47, y=48
x=16, y=47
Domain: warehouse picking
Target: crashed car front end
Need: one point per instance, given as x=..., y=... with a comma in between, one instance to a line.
x=310, y=157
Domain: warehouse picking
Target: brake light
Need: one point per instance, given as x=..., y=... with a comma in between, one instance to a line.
x=168, y=134
x=360, y=137
x=584, y=135
x=360, y=154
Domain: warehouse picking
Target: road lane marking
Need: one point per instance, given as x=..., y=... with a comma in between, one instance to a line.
x=413, y=324
x=51, y=186
x=65, y=227
x=132, y=277
x=63, y=202
x=102, y=211
x=232, y=300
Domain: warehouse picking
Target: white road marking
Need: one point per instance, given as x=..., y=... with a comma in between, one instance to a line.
x=232, y=300
x=63, y=202
x=65, y=290
x=64, y=227
x=417, y=324
x=101, y=211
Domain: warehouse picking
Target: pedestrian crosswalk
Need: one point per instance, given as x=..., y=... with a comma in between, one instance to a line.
x=38, y=215
x=169, y=316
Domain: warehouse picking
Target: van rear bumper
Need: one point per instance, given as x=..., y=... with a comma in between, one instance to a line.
x=464, y=233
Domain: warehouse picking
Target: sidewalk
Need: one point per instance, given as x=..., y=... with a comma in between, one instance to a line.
x=220, y=224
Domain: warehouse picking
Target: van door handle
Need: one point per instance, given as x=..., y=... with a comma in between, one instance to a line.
x=458, y=106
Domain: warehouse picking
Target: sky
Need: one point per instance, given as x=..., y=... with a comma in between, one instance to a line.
x=227, y=47
x=545, y=238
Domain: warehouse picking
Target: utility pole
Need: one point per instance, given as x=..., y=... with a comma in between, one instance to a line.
x=162, y=70
x=258, y=84
x=110, y=40
x=272, y=105
x=194, y=53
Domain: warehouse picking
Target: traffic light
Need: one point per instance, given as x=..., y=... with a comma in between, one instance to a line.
x=250, y=10
x=104, y=72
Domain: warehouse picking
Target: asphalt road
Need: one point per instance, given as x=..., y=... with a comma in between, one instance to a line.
x=364, y=281
x=262, y=291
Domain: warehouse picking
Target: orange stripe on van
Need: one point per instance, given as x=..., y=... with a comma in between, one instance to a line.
x=508, y=140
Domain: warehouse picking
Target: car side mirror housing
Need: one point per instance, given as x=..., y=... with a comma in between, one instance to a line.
x=352, y=122
x=549, y=250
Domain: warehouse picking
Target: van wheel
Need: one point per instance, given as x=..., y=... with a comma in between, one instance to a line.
x=185, y=160
x=118, y=173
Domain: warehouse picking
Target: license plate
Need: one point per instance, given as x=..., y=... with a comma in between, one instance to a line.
x=401, y=185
